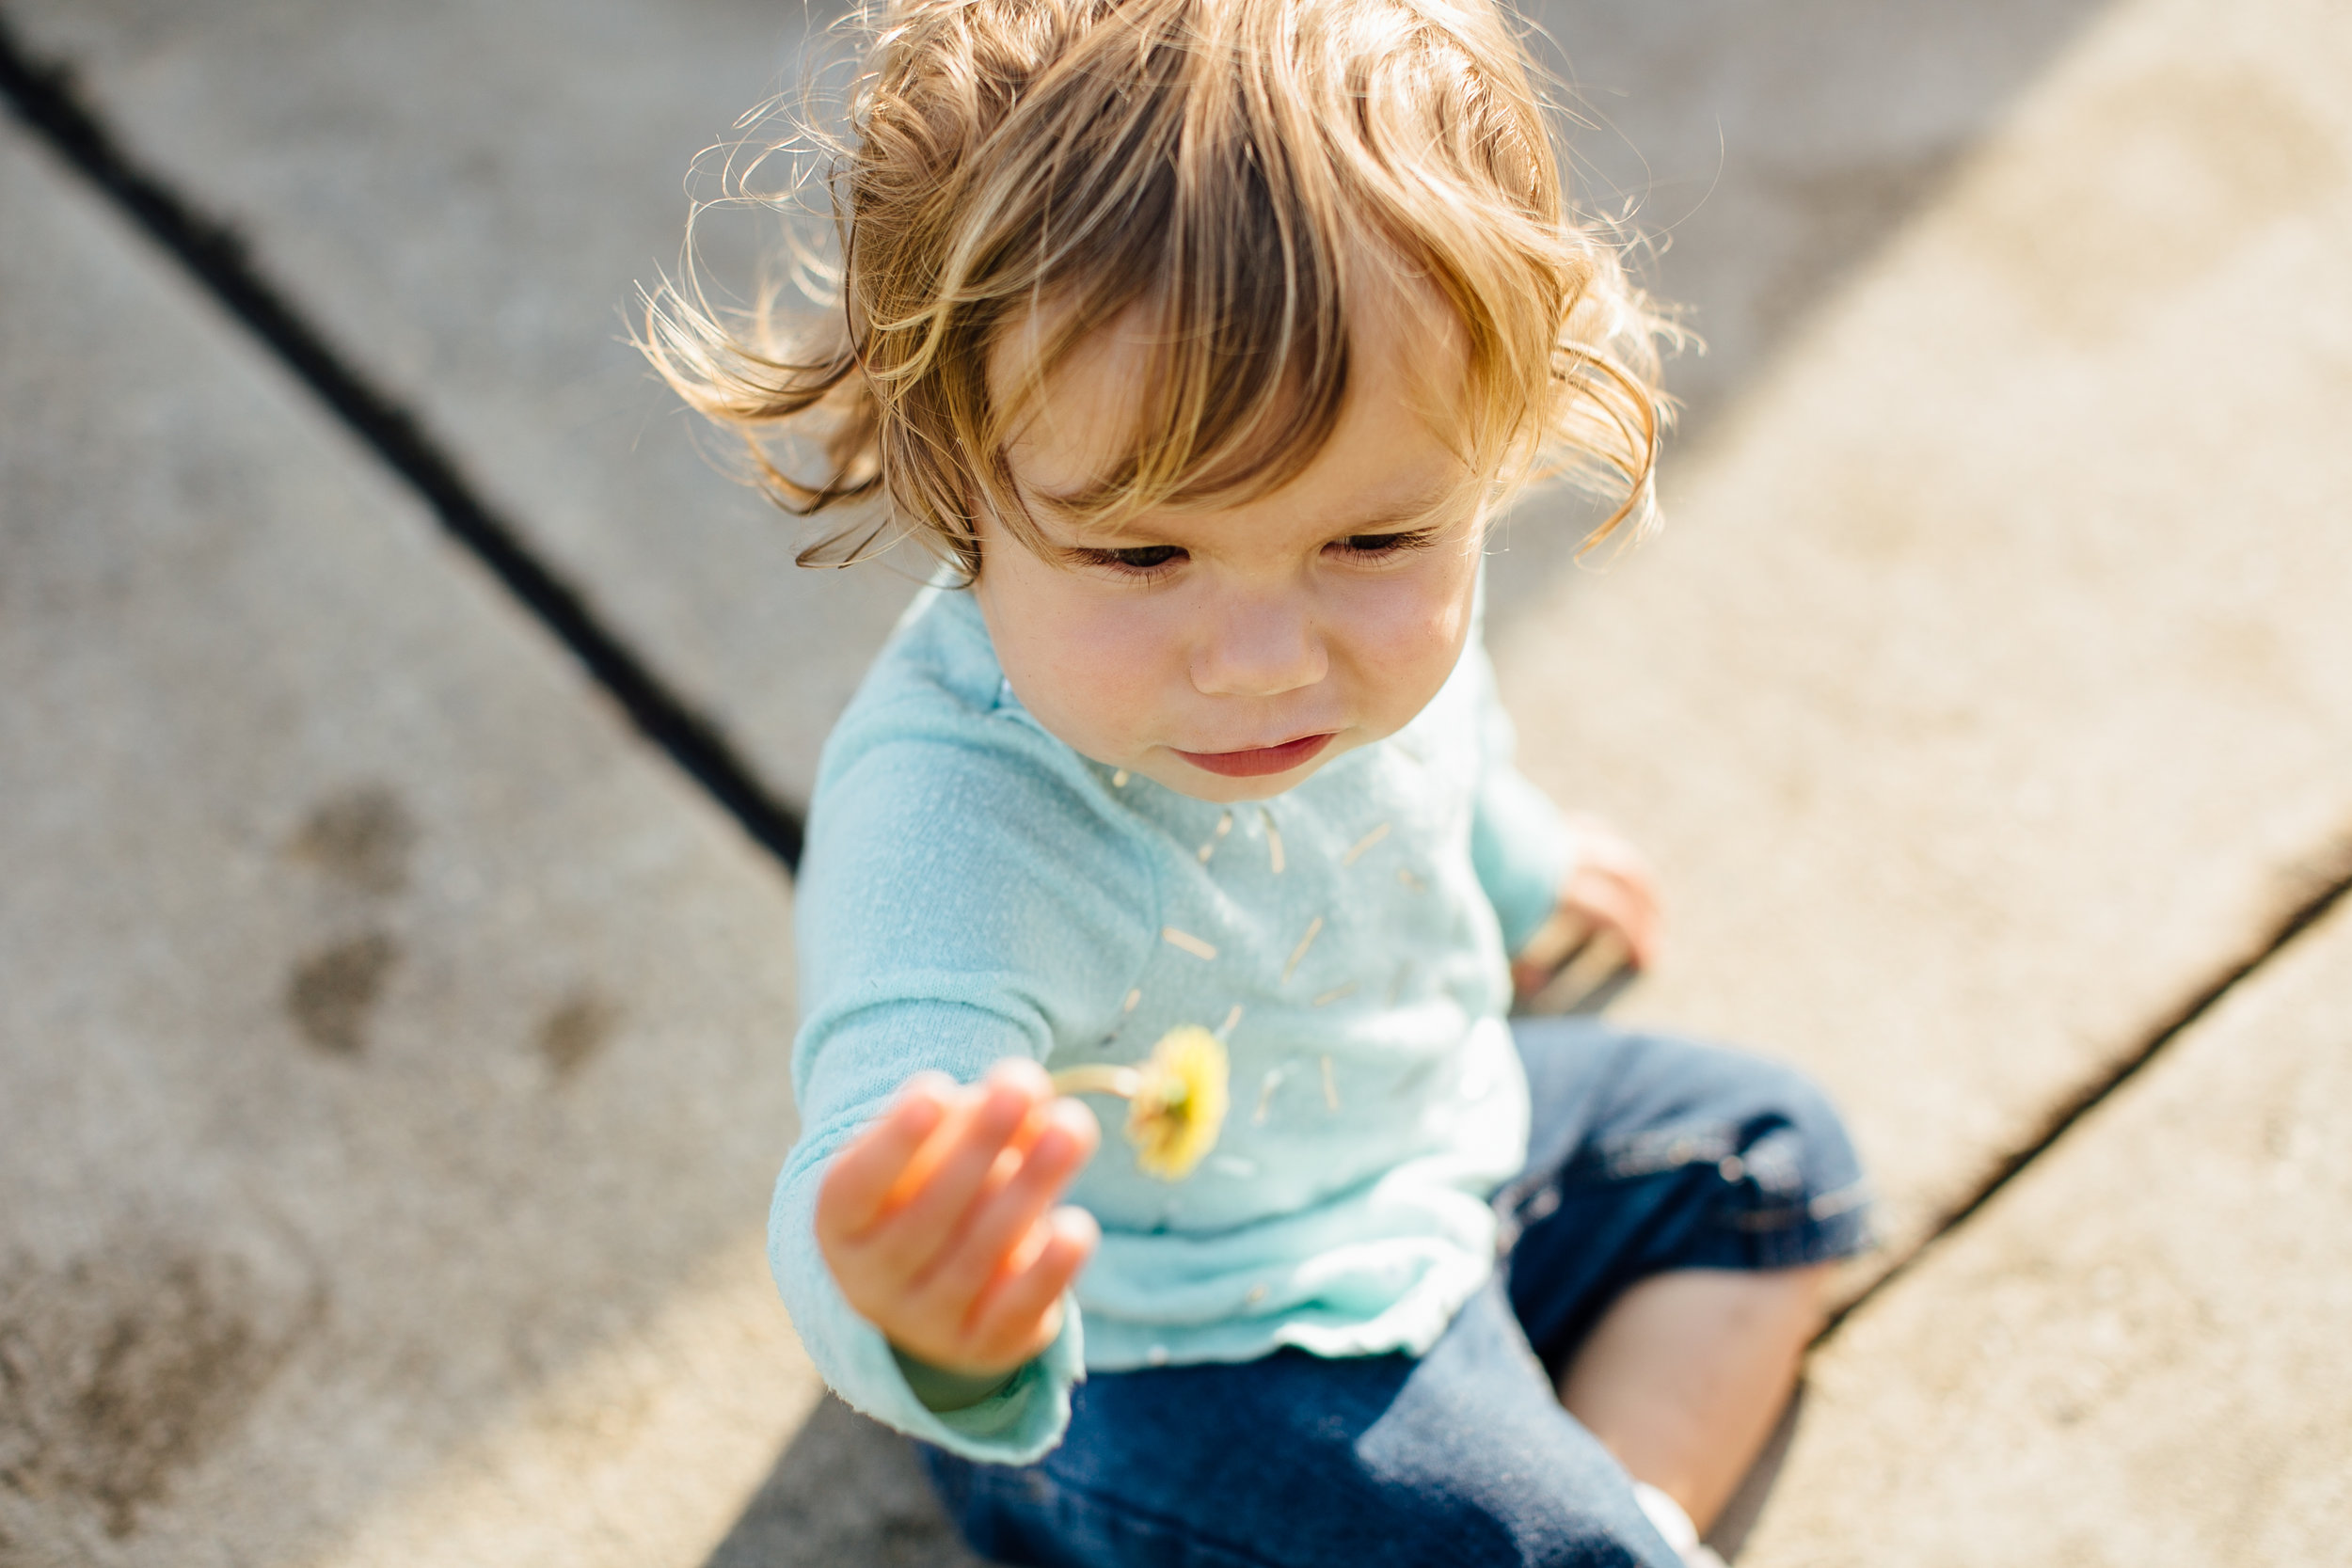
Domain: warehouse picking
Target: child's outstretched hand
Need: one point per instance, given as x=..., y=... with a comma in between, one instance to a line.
x=1610, y=899
x=939, y=1223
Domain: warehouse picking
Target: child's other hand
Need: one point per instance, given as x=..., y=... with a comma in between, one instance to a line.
x=1611, y=896
x=939, y=1223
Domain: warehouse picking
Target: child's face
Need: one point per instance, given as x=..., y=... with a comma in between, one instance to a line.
x=1229, y=654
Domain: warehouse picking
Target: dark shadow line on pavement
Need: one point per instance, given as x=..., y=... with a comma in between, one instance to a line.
x=846, y=1490
x=1670, y=217
x=2332, y=886
x=43, y=95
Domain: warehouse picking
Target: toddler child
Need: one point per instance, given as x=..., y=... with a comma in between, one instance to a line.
x=1203, y=341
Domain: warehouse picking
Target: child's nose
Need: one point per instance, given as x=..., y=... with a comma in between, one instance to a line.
x=1260, y=647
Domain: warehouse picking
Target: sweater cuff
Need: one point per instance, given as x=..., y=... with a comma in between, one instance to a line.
x=941, y=1390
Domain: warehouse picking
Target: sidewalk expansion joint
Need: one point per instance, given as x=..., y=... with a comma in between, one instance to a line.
x=2328, y=888
x=43, y=95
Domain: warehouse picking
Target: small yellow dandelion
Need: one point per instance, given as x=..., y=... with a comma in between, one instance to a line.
x=1175, y=1118
x=1176, y=1101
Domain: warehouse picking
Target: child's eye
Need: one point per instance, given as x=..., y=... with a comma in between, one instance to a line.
x=1382, y=547
x=1143, y=560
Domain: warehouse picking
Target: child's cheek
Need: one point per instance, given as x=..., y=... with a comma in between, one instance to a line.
x=1092, y=669
x=1118, y=670
x=1405, y=635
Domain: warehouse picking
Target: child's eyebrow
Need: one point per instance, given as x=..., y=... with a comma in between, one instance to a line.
x=1060, y=508
x=1418, y=510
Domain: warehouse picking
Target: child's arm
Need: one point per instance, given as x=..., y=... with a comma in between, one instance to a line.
x=1556, y=882
x=1609, y=893
x=938, y=1224
x=962, y=903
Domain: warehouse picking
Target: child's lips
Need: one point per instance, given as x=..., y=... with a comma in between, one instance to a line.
x=1260, y=760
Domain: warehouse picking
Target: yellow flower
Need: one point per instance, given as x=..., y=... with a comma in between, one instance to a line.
x=1176, y=1101
x=1174, y=1118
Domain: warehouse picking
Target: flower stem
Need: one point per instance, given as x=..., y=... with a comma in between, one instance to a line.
x=1099, y=1077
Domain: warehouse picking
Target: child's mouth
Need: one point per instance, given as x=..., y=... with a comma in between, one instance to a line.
x=1260, y=760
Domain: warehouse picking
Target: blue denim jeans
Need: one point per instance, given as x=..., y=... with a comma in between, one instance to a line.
x=1649, y=1154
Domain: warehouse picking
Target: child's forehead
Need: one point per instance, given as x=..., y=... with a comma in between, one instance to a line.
x=1079, y=416
x=1080, y=412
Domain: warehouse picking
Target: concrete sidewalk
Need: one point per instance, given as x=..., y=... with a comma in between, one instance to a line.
x=2135, y=1356
x=401, y=1040
x=385, y=1035
x=1988, y=695
x=464, y=198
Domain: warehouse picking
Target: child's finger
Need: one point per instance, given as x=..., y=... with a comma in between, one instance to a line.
x=1633, y=910
x=1618, y=902
x=1015, y=1320
x=1646, y=937
x=997, y=1222
x=858, y=1186
x=904, y=1242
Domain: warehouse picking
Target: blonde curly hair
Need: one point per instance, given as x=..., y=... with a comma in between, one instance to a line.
x=1222, y=166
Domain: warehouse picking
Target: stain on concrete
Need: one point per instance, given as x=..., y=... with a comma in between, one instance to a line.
x=332, y=993
x=577, y=1029
x=362, y=837
x=124, y=1366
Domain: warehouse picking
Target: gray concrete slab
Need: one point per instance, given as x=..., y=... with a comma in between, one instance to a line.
x=1761, y=156
x=1989, y=691
x=2135, y=1353
x=392, y=1049
x=1765, y=155
x=465, y=197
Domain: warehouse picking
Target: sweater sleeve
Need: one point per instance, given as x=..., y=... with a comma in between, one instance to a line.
x=1518, y=843
x=955, y=907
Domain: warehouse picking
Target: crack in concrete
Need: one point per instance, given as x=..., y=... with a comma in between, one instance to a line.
x=2326, y=888
x=44, y=96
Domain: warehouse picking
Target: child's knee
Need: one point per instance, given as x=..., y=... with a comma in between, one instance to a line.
x=1799, y=1188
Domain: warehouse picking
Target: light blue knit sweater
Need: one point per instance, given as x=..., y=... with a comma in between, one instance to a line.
x=973, y=889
